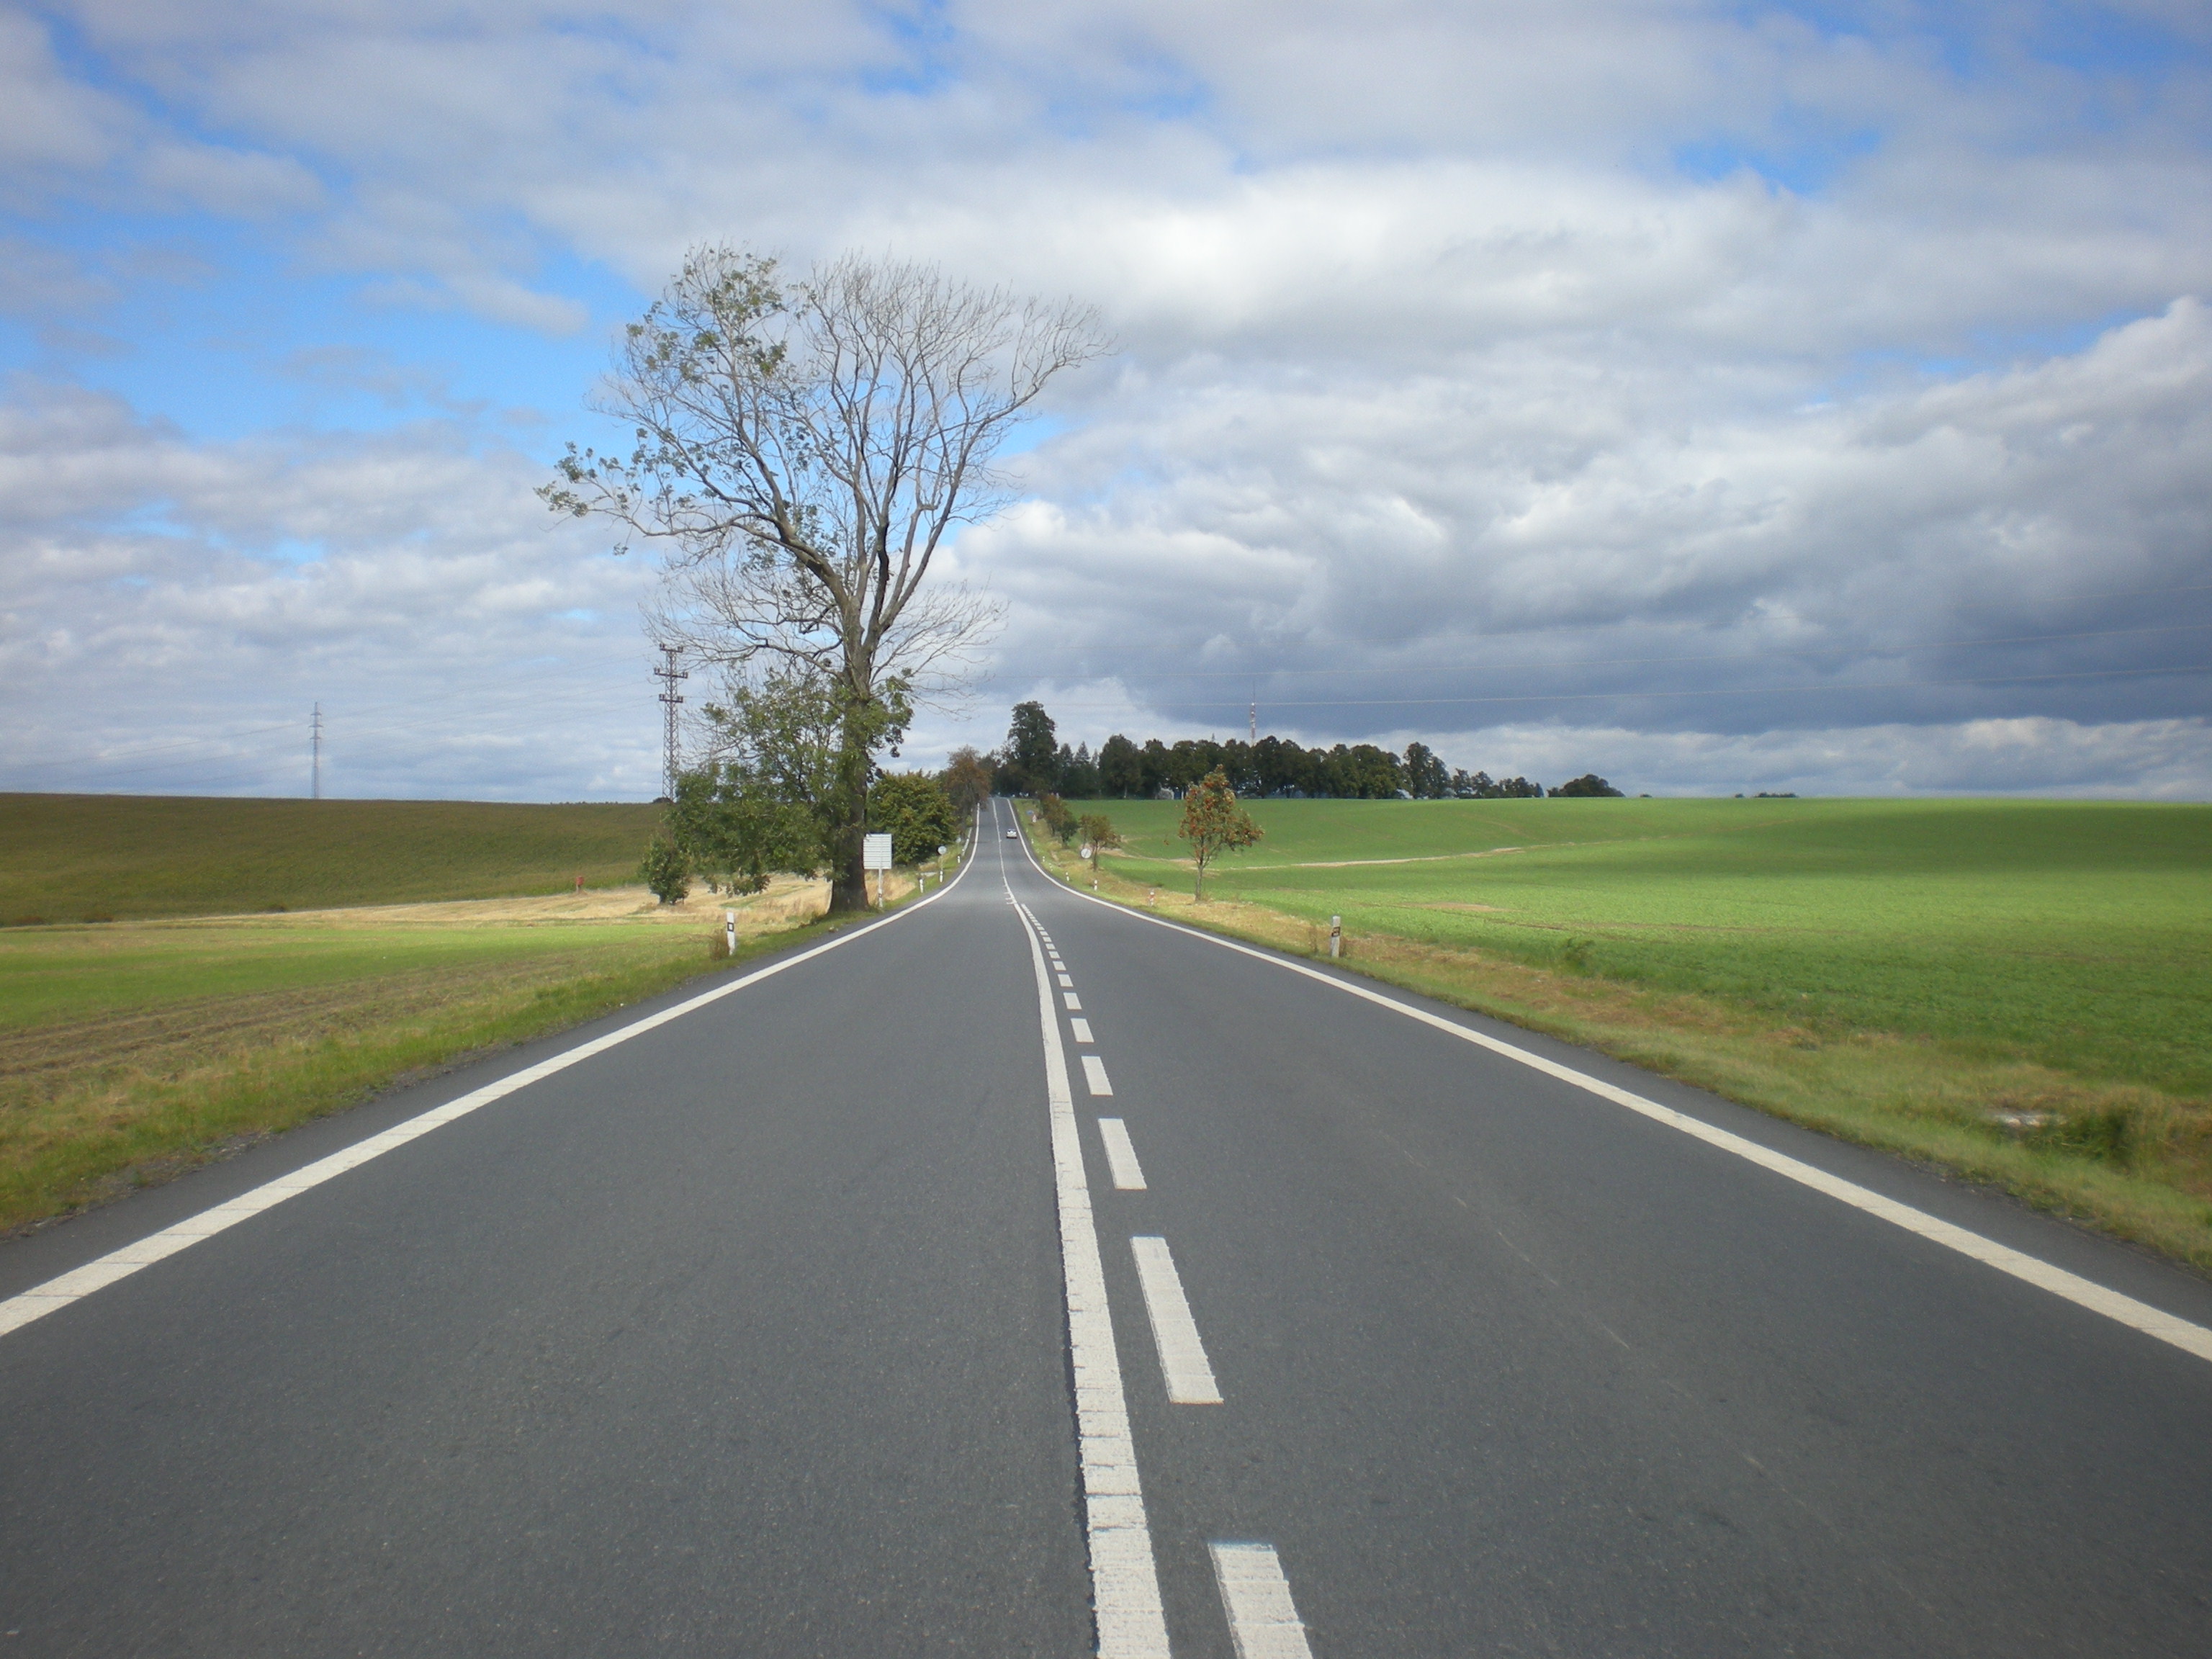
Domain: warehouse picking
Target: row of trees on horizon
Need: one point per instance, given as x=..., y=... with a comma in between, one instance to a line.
x=1034, y=762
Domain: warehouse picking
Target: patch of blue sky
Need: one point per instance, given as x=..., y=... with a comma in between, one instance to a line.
x=1034, y=433
x=240, y=339
x=2104, y=40
x=1804, y=164
x=1981, y=42
x=1992, y=348
x=923, y=33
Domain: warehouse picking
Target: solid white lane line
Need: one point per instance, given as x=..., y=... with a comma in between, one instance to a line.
x=21, y=1308
x=1071, y=999
x=1064, y=981
x=1257, y=1598
x=1082, y=1029
x=1094, y=1073
x=1125, y=1584
x=1174, y=1332
x=2115, y=1305
x=1120, y=1156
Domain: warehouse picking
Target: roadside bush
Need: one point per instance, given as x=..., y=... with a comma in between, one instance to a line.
x=1058, y=818
x=913, y=807
x=667, y=871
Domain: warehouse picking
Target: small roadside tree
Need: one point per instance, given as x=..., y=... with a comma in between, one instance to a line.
x=1056, y=816
x=967, y=780
x=1213, y=824
x=1098, y=832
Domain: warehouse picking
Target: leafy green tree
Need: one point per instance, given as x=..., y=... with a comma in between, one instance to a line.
x=1056, y=816
x=735, y=835
x=1078, y=773
x=966, y=782
x=1120, y=771
x=1589, y=784
x=914, y=808
x=667, y=871
x=1154, y=766
x=1098, y=832
x=1032, y=756
x=772, y=796
x=1427, y=778
x=1213, y=824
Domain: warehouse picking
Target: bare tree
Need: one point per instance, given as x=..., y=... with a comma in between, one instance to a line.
x=803, y=446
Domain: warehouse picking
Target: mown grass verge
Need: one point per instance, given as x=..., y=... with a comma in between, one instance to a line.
x=119, y=1088
x=2107, y=1126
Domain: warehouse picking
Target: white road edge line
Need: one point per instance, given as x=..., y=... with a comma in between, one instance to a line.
x=1257, y=1598
x=20, y=1309
x=1094, y=1073
x=1121, y=1155
x=2115, y=1305
x=1174, y=1332
x=1125, y=1583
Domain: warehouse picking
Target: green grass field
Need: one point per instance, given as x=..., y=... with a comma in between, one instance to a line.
x=132, y=1048
x=76, y=858
x=2079, y=934
x=2021, y=989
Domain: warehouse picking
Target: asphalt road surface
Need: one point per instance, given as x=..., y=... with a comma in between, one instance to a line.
x=1020, y=1276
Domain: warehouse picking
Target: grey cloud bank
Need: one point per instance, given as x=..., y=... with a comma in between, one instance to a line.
x=1720, y=400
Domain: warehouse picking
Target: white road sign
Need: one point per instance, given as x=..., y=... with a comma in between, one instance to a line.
x=876, y=852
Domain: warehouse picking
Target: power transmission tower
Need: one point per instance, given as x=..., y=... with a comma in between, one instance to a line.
x=1252, y=713
x=316, y=740
x=671, y=699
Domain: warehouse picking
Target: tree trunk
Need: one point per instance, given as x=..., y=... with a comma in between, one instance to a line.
x=848, y=873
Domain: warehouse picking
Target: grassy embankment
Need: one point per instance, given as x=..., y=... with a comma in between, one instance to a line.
x=130, y=1051
x=2019, y=991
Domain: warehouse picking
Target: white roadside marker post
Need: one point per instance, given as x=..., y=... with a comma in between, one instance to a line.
x=730, y=931
x=1335, y=937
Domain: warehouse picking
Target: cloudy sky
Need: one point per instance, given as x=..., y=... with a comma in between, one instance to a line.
x=1719, y=396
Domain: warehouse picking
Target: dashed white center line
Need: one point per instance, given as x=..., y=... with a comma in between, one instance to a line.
x=1257, y=1598
x=1071, y=999
x=1094, y=1073
x=1081, y=1028
x=1124, y=1579
x=1064, y=981
x=1120, y=1156
x=1174, y=1332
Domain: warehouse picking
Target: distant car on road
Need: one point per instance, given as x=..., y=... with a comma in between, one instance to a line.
x=1013, y=834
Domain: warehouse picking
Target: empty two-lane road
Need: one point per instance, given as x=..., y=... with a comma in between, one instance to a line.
x=1021, y=1276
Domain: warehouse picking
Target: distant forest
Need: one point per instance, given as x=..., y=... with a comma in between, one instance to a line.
x=1034, y=762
